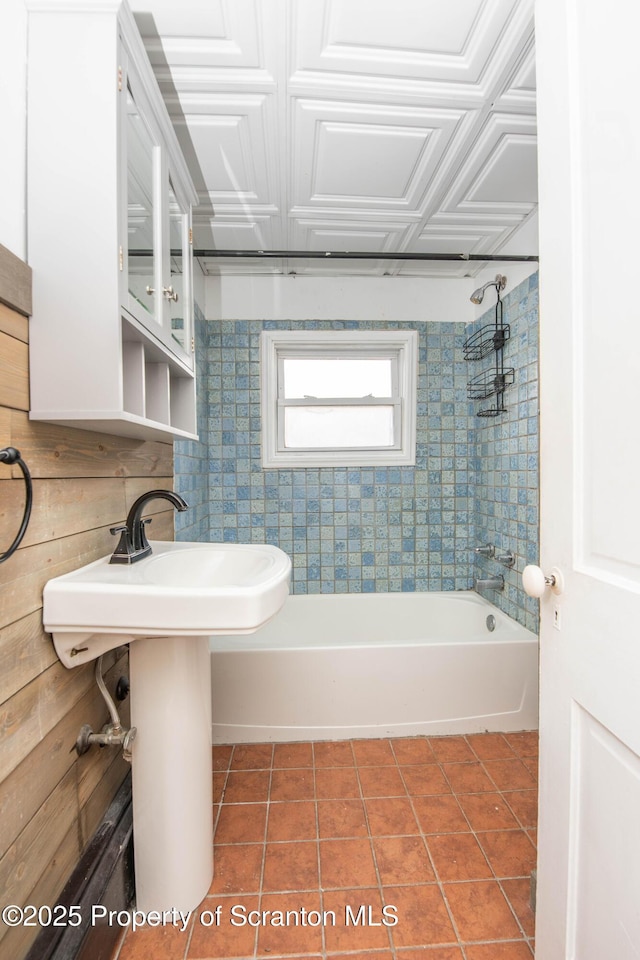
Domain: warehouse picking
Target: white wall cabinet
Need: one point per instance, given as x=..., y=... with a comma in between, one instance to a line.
x=109, y=230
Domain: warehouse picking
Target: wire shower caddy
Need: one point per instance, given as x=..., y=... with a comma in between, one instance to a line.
x=490, y=339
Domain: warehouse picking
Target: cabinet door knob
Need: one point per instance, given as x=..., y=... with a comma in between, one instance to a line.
x=170, y=293
x=535, y=582
x=150, y=290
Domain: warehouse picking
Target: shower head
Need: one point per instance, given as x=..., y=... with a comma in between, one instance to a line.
x=499, y=283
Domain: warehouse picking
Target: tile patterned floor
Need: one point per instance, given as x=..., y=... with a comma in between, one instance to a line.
x=442, y=829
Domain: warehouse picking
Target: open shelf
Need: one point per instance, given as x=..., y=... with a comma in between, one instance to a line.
x=155, y=387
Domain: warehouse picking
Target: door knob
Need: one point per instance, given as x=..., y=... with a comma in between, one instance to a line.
x=535, y=582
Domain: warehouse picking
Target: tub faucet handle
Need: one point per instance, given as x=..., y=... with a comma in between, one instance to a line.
x=488, y=550
x=508, y=558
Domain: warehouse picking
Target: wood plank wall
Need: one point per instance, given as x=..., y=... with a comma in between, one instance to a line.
x=51, y=800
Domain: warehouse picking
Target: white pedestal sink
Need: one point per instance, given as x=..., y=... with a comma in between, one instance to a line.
x=166, y=606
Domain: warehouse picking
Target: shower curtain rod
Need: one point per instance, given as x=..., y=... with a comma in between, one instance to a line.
x=353, y=255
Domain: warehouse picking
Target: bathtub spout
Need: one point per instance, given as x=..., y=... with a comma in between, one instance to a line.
x=489, y=583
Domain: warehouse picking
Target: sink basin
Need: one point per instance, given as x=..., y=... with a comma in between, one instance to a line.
x=182, y=589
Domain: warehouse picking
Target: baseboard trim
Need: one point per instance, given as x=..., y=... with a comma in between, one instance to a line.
x=104, y=875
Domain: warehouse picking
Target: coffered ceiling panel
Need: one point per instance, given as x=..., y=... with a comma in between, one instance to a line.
x=346, y=235
x=231, y=142
x=200, y=33
x=357, y=125
x=364, y=154
x=499, y=173
x=420, y=40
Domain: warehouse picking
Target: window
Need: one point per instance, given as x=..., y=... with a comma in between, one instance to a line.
x=338, y=398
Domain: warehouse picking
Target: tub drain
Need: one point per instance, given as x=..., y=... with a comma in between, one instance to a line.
x=491, y=623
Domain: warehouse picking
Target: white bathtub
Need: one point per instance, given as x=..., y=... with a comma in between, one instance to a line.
x=332, y=667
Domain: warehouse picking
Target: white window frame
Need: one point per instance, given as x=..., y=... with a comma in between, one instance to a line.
x=399, y=345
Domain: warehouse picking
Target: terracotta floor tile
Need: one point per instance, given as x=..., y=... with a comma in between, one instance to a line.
x=510, y=852
x=403, y=860
x=429, y=953
x=348, y=935
x=252, y=756
x=341, y=818
x=524, y=744
x=346, y=863
x=487, y=811
x=373, y=752
x=334, y=783
x=294, y=784
x=490, y=746
x=161, y=943
x=237, y=868
x=303, y=937
x=440, y=814
x=470, y=812
x=425, y=779
x=221, y=756
x=469, y=777
x=457, y=856
x=413, y=750
x=480, y=911
x=518, y=893
x=513, y=950
x=389, y=817
x=381, y=782
x=368, y=955
x=422, y=916
x=292, y=755
x=450, y=749
x=524, y=804
x=247, y=786
x=291, y=866
x=225, y=939
x=509, y=774
x=241, y=823
x=292, y=820
x=333, y=753
x=219, y=780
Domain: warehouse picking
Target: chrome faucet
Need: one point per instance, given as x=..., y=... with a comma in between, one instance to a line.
x=133, y=544
x=489, y=583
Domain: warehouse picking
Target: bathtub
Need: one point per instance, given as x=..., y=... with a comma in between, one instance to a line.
x=331, y=667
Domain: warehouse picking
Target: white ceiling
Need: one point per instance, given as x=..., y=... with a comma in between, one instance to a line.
x=361, y=125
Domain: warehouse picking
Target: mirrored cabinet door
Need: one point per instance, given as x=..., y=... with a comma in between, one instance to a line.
x=178, y=297
x=143, y=266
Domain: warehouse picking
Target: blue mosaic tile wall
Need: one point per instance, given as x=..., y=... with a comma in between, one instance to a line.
x=504, y=467
x=347, y=530
x=191, y=457
x=353, y=530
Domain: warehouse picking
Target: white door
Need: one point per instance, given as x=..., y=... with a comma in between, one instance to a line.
x=589, y=153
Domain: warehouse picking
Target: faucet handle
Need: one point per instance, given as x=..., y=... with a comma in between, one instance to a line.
x=507, y=558
x=144, y=543
x=124, y=544
x=488, y=550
